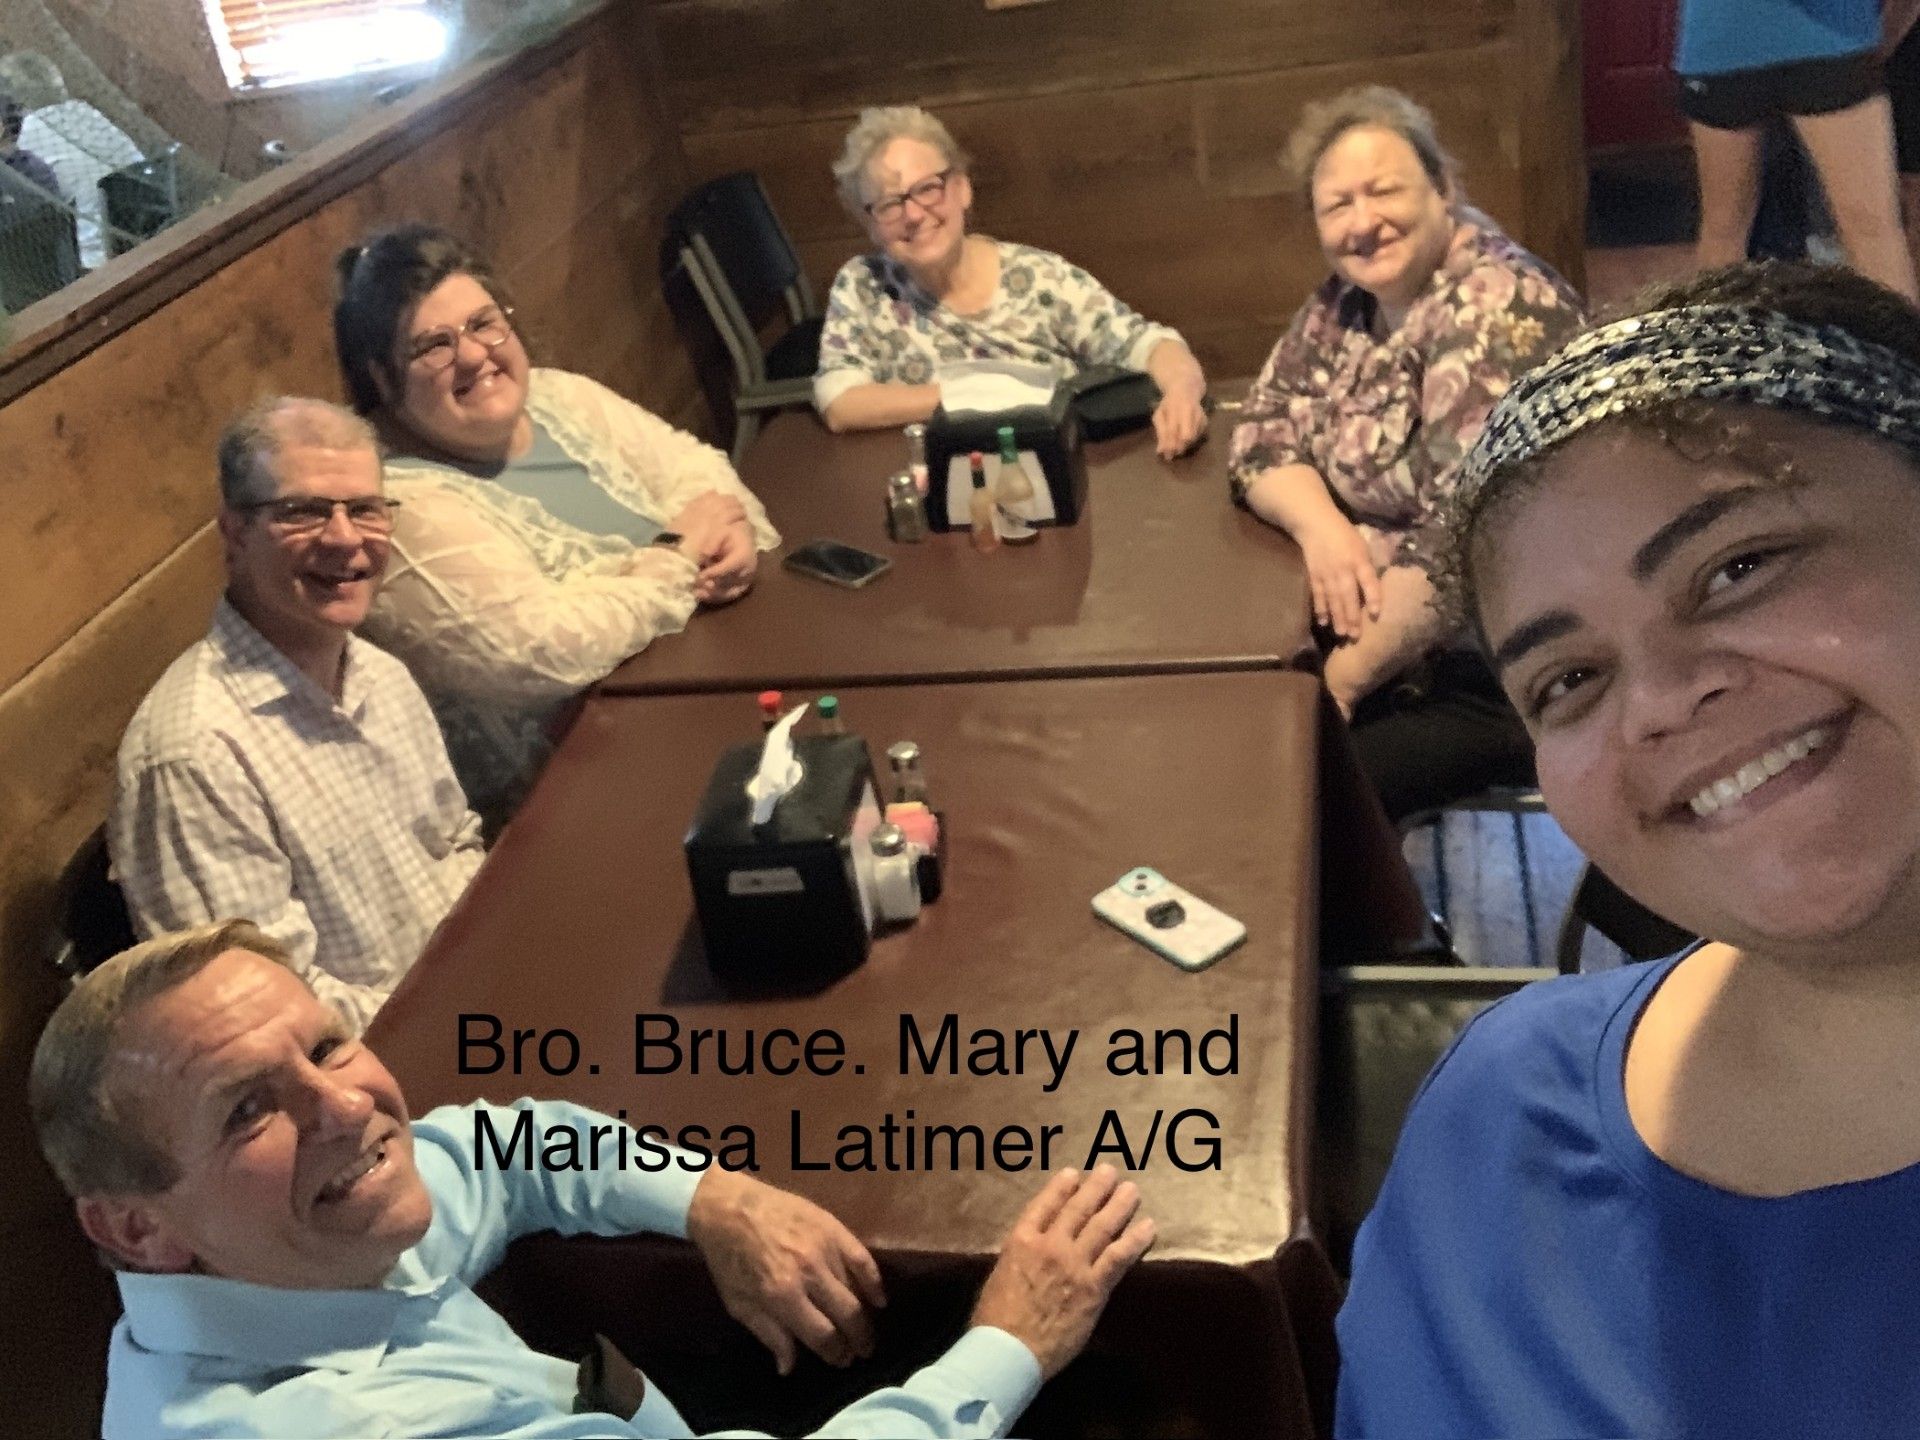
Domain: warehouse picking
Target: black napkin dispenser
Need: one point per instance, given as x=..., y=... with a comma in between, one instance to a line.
x=1050, y=441
x=783, y=906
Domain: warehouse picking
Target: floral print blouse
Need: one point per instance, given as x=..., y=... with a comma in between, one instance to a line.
x=881, y=327
x=1387, y=422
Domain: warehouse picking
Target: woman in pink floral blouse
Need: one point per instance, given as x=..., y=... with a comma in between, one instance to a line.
x=1356, y=428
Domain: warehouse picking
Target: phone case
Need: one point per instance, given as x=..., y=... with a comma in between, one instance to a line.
x=808, y=560
x=1174, y=923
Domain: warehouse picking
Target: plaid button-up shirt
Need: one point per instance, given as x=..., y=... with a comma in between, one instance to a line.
x=244, y=790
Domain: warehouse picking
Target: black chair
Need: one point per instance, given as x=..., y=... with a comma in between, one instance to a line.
x=1516, y=802
x=1382, y=1027
x=1603, y=907
x=39, y=247
x=726, y=241
x=92, y=922
x=141, y=199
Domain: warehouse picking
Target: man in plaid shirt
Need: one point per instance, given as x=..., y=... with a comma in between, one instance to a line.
x=283, y=770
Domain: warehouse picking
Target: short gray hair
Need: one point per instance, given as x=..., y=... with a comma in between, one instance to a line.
x=255, y=438
x=90, y=1133
x=1323, y=122
x=32, y=79
x=877, y=128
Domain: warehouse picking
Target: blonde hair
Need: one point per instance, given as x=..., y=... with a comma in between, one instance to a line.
x=88, y=1131
x=1324, y=121
x=877, y=128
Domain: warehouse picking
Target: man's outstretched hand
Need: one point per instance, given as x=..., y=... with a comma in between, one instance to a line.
x=785, y=1268
x=1060, y=1262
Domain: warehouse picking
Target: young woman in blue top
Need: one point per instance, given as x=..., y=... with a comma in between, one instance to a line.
x=1683, y=1199
x=1818, y=62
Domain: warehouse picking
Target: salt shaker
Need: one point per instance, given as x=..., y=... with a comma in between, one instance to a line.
x=906, y=511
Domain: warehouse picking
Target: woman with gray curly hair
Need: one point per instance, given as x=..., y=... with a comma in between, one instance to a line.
x=1353, y=434
x=932, y=294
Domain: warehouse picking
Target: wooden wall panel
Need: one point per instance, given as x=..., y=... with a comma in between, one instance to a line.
x=1168, y=189
x=780, y=62
x=561, y=166
x=58, y=732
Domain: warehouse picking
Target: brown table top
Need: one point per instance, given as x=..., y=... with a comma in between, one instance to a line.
x=1161, y=574
x=582, y=917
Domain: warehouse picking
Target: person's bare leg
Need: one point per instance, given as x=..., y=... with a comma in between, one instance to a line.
x=1910, y=213
x=1852, y=150
x=1729, y=165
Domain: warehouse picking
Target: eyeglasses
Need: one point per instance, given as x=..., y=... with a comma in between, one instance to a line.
x=434, y=350
x=927, y=194
x=310, y=514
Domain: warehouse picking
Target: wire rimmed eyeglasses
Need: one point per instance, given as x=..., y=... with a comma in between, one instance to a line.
x=305, y=515
x=434, y=350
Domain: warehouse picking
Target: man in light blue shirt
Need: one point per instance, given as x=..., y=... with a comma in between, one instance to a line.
x=295, y=1254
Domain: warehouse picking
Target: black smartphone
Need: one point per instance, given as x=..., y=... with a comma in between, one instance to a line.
x=838, y=564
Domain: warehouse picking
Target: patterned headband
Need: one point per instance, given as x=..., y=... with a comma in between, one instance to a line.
x=1704, y=352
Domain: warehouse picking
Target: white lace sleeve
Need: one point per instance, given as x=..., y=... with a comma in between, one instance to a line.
x=636, y=456
x=471, y=609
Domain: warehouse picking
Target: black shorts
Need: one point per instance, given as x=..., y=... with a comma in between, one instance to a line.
x=1742, y=99
x=1903, y=85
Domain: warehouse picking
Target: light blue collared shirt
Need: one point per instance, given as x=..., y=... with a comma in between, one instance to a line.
x=197, y=1355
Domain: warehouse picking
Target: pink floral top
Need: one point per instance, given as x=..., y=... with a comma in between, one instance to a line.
x=1387, y=422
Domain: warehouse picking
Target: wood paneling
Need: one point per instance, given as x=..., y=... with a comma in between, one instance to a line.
x=59, y=729
x=781, y=62
x=561, y=165
x=1141, y=140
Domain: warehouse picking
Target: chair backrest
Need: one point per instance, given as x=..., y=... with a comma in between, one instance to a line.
x=141, y=199
x=39, y=248
x=754, y=255
x=93, y=921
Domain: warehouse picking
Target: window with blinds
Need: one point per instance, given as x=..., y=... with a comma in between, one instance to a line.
x=265, y=44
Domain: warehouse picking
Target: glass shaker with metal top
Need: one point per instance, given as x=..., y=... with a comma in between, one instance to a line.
x=906, y=511
x=917, y=456
x=909, y=781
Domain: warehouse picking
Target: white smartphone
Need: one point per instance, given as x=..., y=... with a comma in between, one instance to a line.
x=1173, y=923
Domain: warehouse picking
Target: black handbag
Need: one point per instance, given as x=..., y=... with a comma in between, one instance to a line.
x=1111, y=401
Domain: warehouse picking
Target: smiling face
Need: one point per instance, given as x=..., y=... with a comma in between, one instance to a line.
x=297, y=588
x=924, y=237
x=1384, y=225
x=1722, y=675
x=294, y=1153
x=475, y=406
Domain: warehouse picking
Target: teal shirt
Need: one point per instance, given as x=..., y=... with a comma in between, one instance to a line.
x=197, y=1355
x=564, y=487
x=1717, y=37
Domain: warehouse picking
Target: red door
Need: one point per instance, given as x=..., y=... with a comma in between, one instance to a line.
x=1629, y=73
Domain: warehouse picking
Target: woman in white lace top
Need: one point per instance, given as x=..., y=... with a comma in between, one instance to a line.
x=548, y=528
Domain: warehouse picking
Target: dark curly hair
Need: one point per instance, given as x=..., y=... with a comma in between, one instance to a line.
x=380, y=285
x=1702, y=431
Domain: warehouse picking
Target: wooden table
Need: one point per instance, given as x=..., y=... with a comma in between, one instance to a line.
x=1162, y=574
x=582, y=918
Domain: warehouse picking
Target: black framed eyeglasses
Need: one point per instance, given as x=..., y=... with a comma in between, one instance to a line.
x=926, y=194
x=305, y=515
x=432, y=351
